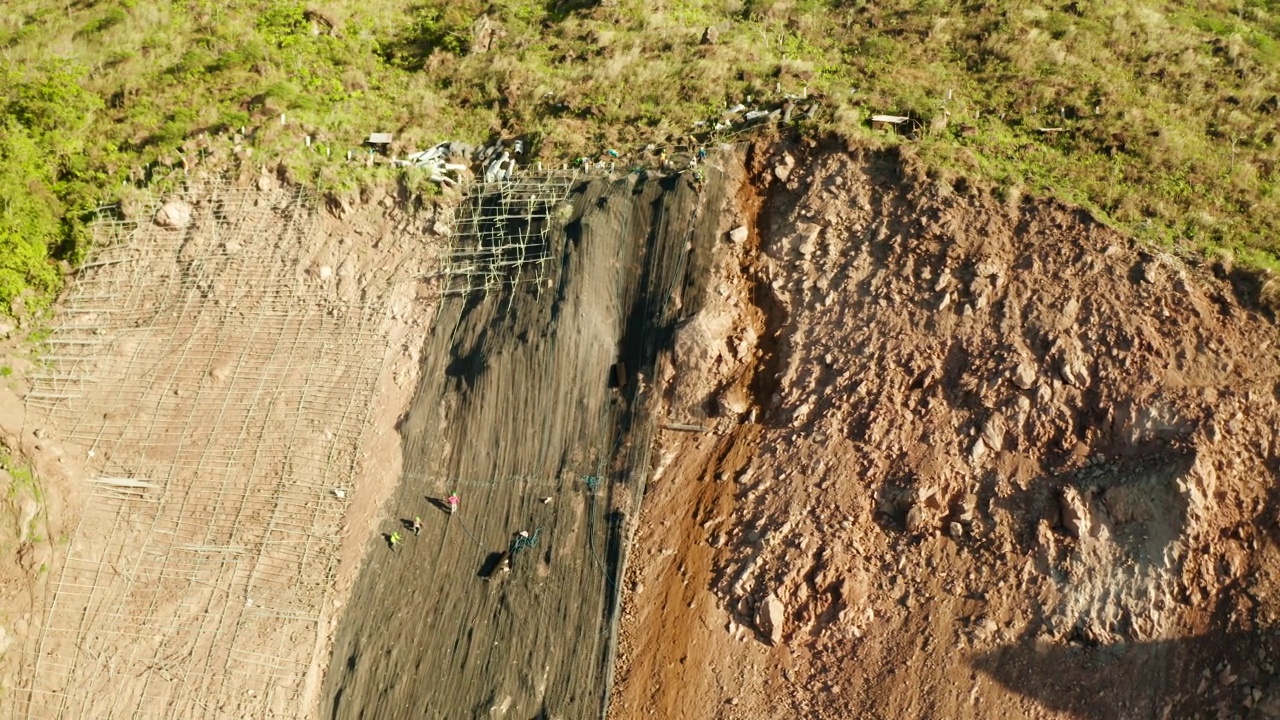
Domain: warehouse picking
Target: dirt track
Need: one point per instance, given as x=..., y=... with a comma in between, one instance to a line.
x=520, y=401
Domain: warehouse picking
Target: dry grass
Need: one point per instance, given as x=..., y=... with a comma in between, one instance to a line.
x=1168, y=110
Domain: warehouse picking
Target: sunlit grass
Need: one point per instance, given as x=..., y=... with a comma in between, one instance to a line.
x=1165, y=114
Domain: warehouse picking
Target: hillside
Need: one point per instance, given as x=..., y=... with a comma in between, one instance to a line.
x=1160, y=117
x=963, y=460
x=970, y=415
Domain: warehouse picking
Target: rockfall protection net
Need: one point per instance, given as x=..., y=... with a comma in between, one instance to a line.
x=536, y=407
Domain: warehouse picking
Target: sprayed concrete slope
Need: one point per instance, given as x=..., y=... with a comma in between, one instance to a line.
x=534, y=406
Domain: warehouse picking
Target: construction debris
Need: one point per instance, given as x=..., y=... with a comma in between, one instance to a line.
x=436, y=162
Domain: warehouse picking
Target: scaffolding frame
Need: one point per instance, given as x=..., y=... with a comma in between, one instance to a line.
x=222, y=395
x=502, y=231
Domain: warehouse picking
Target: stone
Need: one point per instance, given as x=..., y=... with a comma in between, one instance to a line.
x=978, y=451
x=485, y=34
x=925, y=512
x=966, y=509
x=987, y=268
x=769, y=618
x=28, y=508
x=1073, y=371
x=993, y=432
x=733, y=401
x=783, y=169
x=739, y=234
x=1024, y=376
x=711, y=36
x=1075, y=515
x=173, y=215
x=1150, y=273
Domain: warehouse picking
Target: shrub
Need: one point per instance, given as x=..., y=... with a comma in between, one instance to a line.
x=28, y=216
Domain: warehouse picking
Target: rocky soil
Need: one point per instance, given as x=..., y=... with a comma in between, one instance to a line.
x=968, y=456
x=961, y=456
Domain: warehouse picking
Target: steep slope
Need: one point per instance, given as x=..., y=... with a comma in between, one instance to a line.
x=535, y=407
x=969, y=458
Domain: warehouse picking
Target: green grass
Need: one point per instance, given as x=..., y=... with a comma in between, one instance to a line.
x=22, y=475
x=1168, y=110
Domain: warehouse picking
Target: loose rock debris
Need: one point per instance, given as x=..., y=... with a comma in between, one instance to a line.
x=984, y=470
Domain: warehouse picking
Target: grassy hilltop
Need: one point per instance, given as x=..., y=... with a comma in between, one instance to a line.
x=1162, y=116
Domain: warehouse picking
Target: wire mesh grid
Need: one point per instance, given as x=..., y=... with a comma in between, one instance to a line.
x=501, y=234
x=221, y=394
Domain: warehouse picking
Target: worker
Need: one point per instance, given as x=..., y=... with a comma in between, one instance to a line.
x=394, y=539
x=453, y=503
x=417, y=525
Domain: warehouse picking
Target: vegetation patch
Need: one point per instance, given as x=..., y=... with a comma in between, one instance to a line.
x=1160, y=117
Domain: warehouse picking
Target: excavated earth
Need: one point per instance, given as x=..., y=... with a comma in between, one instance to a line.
x=966, y=457
x=905, y=449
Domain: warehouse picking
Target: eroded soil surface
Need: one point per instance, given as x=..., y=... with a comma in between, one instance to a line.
x=923, y=453
x=968, y=457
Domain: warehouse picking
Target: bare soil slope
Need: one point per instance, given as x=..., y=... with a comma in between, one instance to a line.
x=971, y=458
x=209, y=420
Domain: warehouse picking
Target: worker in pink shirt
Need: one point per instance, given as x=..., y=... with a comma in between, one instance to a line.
x=453, y=503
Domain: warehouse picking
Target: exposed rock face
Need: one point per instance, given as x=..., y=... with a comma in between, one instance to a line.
x=485, y=34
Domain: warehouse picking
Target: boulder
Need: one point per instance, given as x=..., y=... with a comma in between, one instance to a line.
x=993, y=432
x=1024, y=376
x=769, y=618
x=782, y=170
x=174, y=215
x=1075, y=514
x=1074, y=371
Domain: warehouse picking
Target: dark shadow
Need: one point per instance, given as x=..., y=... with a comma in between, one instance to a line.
x=1164, y=678
x=440, y=503
x=1248, y=286
x=468, y=366
x=337, y=703
x=490, y=565
x=1136, y=273
x=559, y=10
